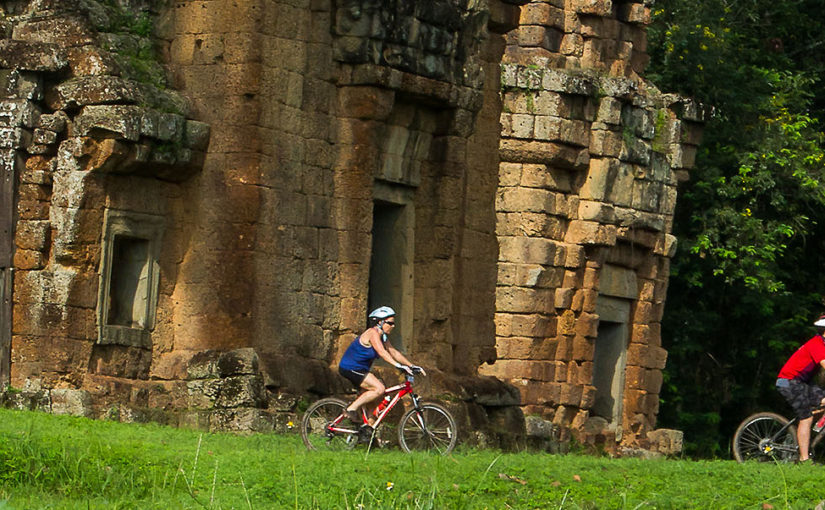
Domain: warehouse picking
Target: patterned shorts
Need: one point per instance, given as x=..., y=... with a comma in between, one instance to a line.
x=801, y=396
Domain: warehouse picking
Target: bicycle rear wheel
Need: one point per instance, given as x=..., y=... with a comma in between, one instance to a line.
x=754, y=439
x=429, y=428
x=315, y=430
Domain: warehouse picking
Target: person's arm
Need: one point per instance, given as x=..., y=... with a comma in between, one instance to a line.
x=375, y=340
x=400, y=357
x=396, y=354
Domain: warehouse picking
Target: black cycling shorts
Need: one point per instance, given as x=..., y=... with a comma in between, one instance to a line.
x=356, y=377
x=801, y=396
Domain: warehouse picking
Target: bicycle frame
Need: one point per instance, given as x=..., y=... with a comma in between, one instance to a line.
x=778, y=434
x=815, y=436
x=400, y=390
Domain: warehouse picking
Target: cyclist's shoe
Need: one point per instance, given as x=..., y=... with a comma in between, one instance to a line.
x=354, y=418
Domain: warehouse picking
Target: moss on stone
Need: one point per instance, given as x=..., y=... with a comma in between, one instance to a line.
x=659, y=142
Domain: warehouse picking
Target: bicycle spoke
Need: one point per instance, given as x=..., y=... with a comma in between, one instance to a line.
x=425, y=438
x=765, y=437
x=316, y=431
x=430, y=428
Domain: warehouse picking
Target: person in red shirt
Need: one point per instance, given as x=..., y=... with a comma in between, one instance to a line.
x=794, y=383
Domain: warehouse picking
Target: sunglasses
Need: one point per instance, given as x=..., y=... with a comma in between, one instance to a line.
x=391, y=323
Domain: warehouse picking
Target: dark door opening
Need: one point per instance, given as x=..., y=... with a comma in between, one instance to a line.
x=389, y=256
x=609, y=361
x=8, y=182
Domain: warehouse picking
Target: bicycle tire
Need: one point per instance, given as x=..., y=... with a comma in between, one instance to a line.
x=314, y=423
x=749, y=441
x=429, y=428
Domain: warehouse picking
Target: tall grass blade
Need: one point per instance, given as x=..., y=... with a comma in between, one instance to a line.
x=214, y=481
x=564, y=498
x=295, y=485
x=197, y=454
x=246, y=494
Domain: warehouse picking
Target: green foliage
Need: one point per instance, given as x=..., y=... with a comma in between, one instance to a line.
x=659, y=142
x=114, y=17
x=60, y=462
x=129, y=37
x=751, y=220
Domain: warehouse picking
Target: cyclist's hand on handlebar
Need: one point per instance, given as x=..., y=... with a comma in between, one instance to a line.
x=418, y=370
x=405, y=368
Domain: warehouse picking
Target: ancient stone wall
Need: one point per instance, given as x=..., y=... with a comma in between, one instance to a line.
x=246, y=179
x=202, y=200
x=591, y=155
x=97, y=144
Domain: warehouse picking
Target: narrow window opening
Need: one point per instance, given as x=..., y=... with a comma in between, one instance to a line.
x=129, y=277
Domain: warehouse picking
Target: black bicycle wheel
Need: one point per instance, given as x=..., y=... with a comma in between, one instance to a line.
x=315, y=426
x=756, y=439
x=430, y=428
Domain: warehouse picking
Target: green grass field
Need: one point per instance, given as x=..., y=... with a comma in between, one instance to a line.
x=62, y=462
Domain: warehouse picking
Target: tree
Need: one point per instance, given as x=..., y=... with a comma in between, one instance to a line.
x=751, y=221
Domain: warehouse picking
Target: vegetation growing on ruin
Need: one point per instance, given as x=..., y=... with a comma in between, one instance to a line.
x=61, y=462
x=120, y=20
x=660, y=135
x=127, y=33
x=746, y=281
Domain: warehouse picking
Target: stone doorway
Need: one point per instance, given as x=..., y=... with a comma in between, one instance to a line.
x=7, y=192
x=391, y=261
x=610, y=359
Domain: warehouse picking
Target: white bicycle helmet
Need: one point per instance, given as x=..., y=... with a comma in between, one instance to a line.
x=820, y=322
x=382, y=313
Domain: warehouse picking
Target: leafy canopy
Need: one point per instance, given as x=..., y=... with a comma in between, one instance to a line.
x=751, y=220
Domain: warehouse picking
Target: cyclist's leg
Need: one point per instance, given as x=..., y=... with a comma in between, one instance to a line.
x=803, y=437
x=374, y=389
x=803, y=399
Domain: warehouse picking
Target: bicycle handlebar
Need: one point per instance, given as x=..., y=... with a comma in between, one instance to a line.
x=416, y=370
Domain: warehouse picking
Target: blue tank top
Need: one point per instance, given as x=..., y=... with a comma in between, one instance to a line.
x=358, y=357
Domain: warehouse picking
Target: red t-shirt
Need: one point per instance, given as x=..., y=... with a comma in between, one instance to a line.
x=803, y=363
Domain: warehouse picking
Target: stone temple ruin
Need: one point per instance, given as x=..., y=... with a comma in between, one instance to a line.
x=200, y=201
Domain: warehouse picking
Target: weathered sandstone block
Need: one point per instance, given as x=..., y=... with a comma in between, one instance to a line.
x=71, y=402
x=32, y=56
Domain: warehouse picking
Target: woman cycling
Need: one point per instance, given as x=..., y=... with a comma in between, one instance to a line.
x=357, y=360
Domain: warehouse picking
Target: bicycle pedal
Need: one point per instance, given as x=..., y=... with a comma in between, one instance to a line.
x=365, y=433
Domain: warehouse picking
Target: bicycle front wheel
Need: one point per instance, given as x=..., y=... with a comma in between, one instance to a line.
x=759, y=438
x=428, y=428
x=315, y=426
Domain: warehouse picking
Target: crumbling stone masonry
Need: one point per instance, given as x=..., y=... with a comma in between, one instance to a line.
x=201, y=200
x=185, y=181
x=590, y=158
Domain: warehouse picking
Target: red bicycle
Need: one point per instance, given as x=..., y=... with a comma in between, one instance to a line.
x=427, y=426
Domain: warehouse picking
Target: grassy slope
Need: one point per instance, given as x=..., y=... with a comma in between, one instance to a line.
x=61, y=462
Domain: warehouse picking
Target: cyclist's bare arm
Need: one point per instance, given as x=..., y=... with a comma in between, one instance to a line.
x=396, y=354
x=375, y=340
x=822, y=402
x=403, y=359
x=389, y=354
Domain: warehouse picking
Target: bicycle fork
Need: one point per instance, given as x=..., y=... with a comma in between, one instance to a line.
x=419, y=415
